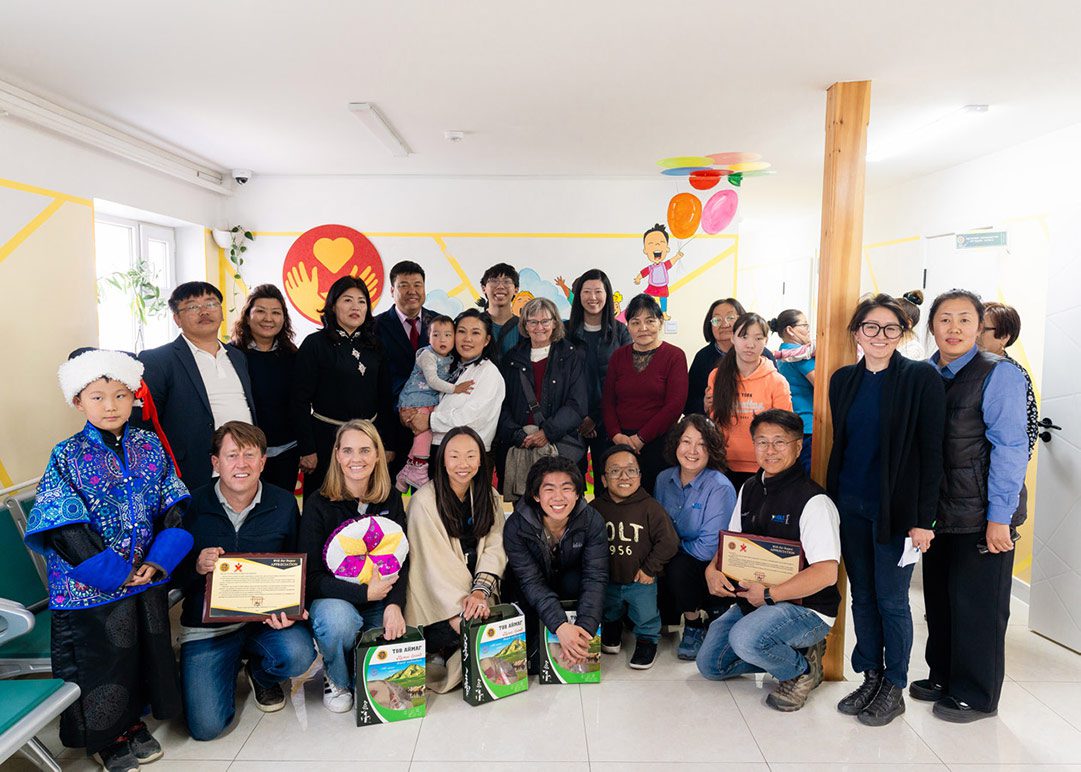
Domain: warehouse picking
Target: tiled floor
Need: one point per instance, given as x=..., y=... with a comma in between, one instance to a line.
x=665, y=718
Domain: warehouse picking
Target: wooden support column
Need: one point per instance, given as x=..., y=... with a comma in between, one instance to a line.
x=848, y=108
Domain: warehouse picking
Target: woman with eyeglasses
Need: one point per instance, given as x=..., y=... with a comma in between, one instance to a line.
x=884, y=475
x=645, y=388
x=968, y=575
x=546, y=397
x=743, y=385
x=796, y=362
x=717, y=331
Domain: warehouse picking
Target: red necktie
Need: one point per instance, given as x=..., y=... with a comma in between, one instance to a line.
x=414, y=333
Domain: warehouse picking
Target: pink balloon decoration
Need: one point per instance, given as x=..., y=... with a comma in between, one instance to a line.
x=719, y=211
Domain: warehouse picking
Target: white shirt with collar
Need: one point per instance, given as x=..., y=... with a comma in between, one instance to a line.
x=407, y=322
x=223, y=386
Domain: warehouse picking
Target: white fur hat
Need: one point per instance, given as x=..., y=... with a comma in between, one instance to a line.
x=80, y=371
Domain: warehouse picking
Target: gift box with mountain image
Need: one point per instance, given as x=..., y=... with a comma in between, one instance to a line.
x=553, y=668
x=494, y=656
x=390, y=677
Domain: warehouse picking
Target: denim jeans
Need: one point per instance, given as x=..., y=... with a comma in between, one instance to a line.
x=336, y=624
x=767, y=640
x=881, y=616
x=641, y=603
x=208, y=669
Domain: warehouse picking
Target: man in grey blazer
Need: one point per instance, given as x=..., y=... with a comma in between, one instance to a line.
x=197, y=382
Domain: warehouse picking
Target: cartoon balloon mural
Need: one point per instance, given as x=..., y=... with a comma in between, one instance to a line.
x=684, y=215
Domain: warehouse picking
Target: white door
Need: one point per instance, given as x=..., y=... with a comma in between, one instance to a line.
x=1055, y=607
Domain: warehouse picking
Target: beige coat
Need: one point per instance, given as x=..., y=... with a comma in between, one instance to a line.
x=438, y=576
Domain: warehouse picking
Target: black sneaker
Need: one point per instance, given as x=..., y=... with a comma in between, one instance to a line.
x=143, y=745
x=118, y=758
x=861, y=698
x=887, y=705
x=645, y=654
x=957, y=712
x=268, y=699
x=926, y=690
x=611, y=637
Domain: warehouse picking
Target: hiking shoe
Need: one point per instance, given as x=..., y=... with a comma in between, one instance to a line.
x=814, y=657
x=926, y=690
x=792, y=694
x=887, y=705
x=645, y=654
x=691, y=642
x=862, y=697
x=118, y=758
x=336, y=699
x=143, y=745
x=611, y=637
x=268, y=699
x=957, y=712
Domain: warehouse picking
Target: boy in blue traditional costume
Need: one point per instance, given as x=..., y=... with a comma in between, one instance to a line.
x=106, y=518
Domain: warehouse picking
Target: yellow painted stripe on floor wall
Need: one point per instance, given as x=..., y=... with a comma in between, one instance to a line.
x=22, y=186
x=24, y=233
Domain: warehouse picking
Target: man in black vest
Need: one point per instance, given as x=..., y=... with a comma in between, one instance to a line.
x=403, y=330
x=780, y=630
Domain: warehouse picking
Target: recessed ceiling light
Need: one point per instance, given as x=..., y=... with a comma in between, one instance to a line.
x=453, y=136
x=373, y=120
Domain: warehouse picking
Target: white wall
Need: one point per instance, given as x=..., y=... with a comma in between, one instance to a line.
x=47, y=160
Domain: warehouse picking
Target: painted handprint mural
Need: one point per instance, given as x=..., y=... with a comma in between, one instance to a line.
x=322, y=255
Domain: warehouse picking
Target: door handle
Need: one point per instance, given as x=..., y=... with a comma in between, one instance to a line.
x=1046, y=436
x=1047, y=423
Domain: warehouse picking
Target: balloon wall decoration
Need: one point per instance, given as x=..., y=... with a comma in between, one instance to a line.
x=684, y=215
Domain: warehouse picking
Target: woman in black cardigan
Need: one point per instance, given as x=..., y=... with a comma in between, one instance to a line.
x=264, y=332
x=885, y=469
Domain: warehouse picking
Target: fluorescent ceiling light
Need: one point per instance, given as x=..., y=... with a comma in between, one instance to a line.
x=112, y=137
x=380, y=127
x=936, y=129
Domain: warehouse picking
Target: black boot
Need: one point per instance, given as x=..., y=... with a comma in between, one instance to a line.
x=887, y=705
x=861, y=698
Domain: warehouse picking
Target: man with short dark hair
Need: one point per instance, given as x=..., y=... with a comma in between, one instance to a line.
x=766, y=630
x=237, y=513
x=403, y=331
x=500, y=285
x=197, y=382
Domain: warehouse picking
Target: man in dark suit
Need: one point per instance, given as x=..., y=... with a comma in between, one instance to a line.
x=197, y=382
x=403, y=330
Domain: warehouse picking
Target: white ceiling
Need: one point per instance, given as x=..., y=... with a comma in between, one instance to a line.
x=588, y=88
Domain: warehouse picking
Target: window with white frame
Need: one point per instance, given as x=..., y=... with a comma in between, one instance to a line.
x=136, y=271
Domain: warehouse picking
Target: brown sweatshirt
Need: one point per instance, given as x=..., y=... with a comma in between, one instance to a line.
x=640, y=535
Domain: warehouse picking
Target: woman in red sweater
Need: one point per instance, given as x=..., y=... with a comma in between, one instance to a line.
x=645, y=388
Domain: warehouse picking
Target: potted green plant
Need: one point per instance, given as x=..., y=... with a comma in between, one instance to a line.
x=137, y=284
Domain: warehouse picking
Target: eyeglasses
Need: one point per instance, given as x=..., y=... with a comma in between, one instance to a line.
x=500, y=283
x=630, y=472
x=774, y=444
x=540, y=322
x=889, y=331
x=722, y=321
x=801, y=324
x=210, y=305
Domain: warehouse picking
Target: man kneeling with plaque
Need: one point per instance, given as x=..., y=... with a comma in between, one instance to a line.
x=237, y=514
x=779, y=560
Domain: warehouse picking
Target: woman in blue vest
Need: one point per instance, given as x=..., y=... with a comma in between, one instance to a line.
x=884, y=474
x=968, y=575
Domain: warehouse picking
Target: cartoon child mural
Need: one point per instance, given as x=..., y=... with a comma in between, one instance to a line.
x=655, y=248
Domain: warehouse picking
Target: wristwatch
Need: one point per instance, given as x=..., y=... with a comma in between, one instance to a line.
x=768, y=598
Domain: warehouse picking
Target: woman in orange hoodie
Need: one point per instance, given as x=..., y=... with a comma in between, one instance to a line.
x=739, y=388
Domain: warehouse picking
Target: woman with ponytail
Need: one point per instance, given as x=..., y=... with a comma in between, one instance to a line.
x=910, y=346
x=739, y=388
x=796, y=362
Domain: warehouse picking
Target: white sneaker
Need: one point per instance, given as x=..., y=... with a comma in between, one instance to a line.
x=335, y=699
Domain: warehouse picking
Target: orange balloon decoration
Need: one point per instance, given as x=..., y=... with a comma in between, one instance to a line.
x=684, y=214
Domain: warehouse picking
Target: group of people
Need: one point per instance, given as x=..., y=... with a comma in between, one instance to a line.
x=493, y=406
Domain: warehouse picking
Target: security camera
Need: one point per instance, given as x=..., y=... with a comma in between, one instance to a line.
x=241, y=176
